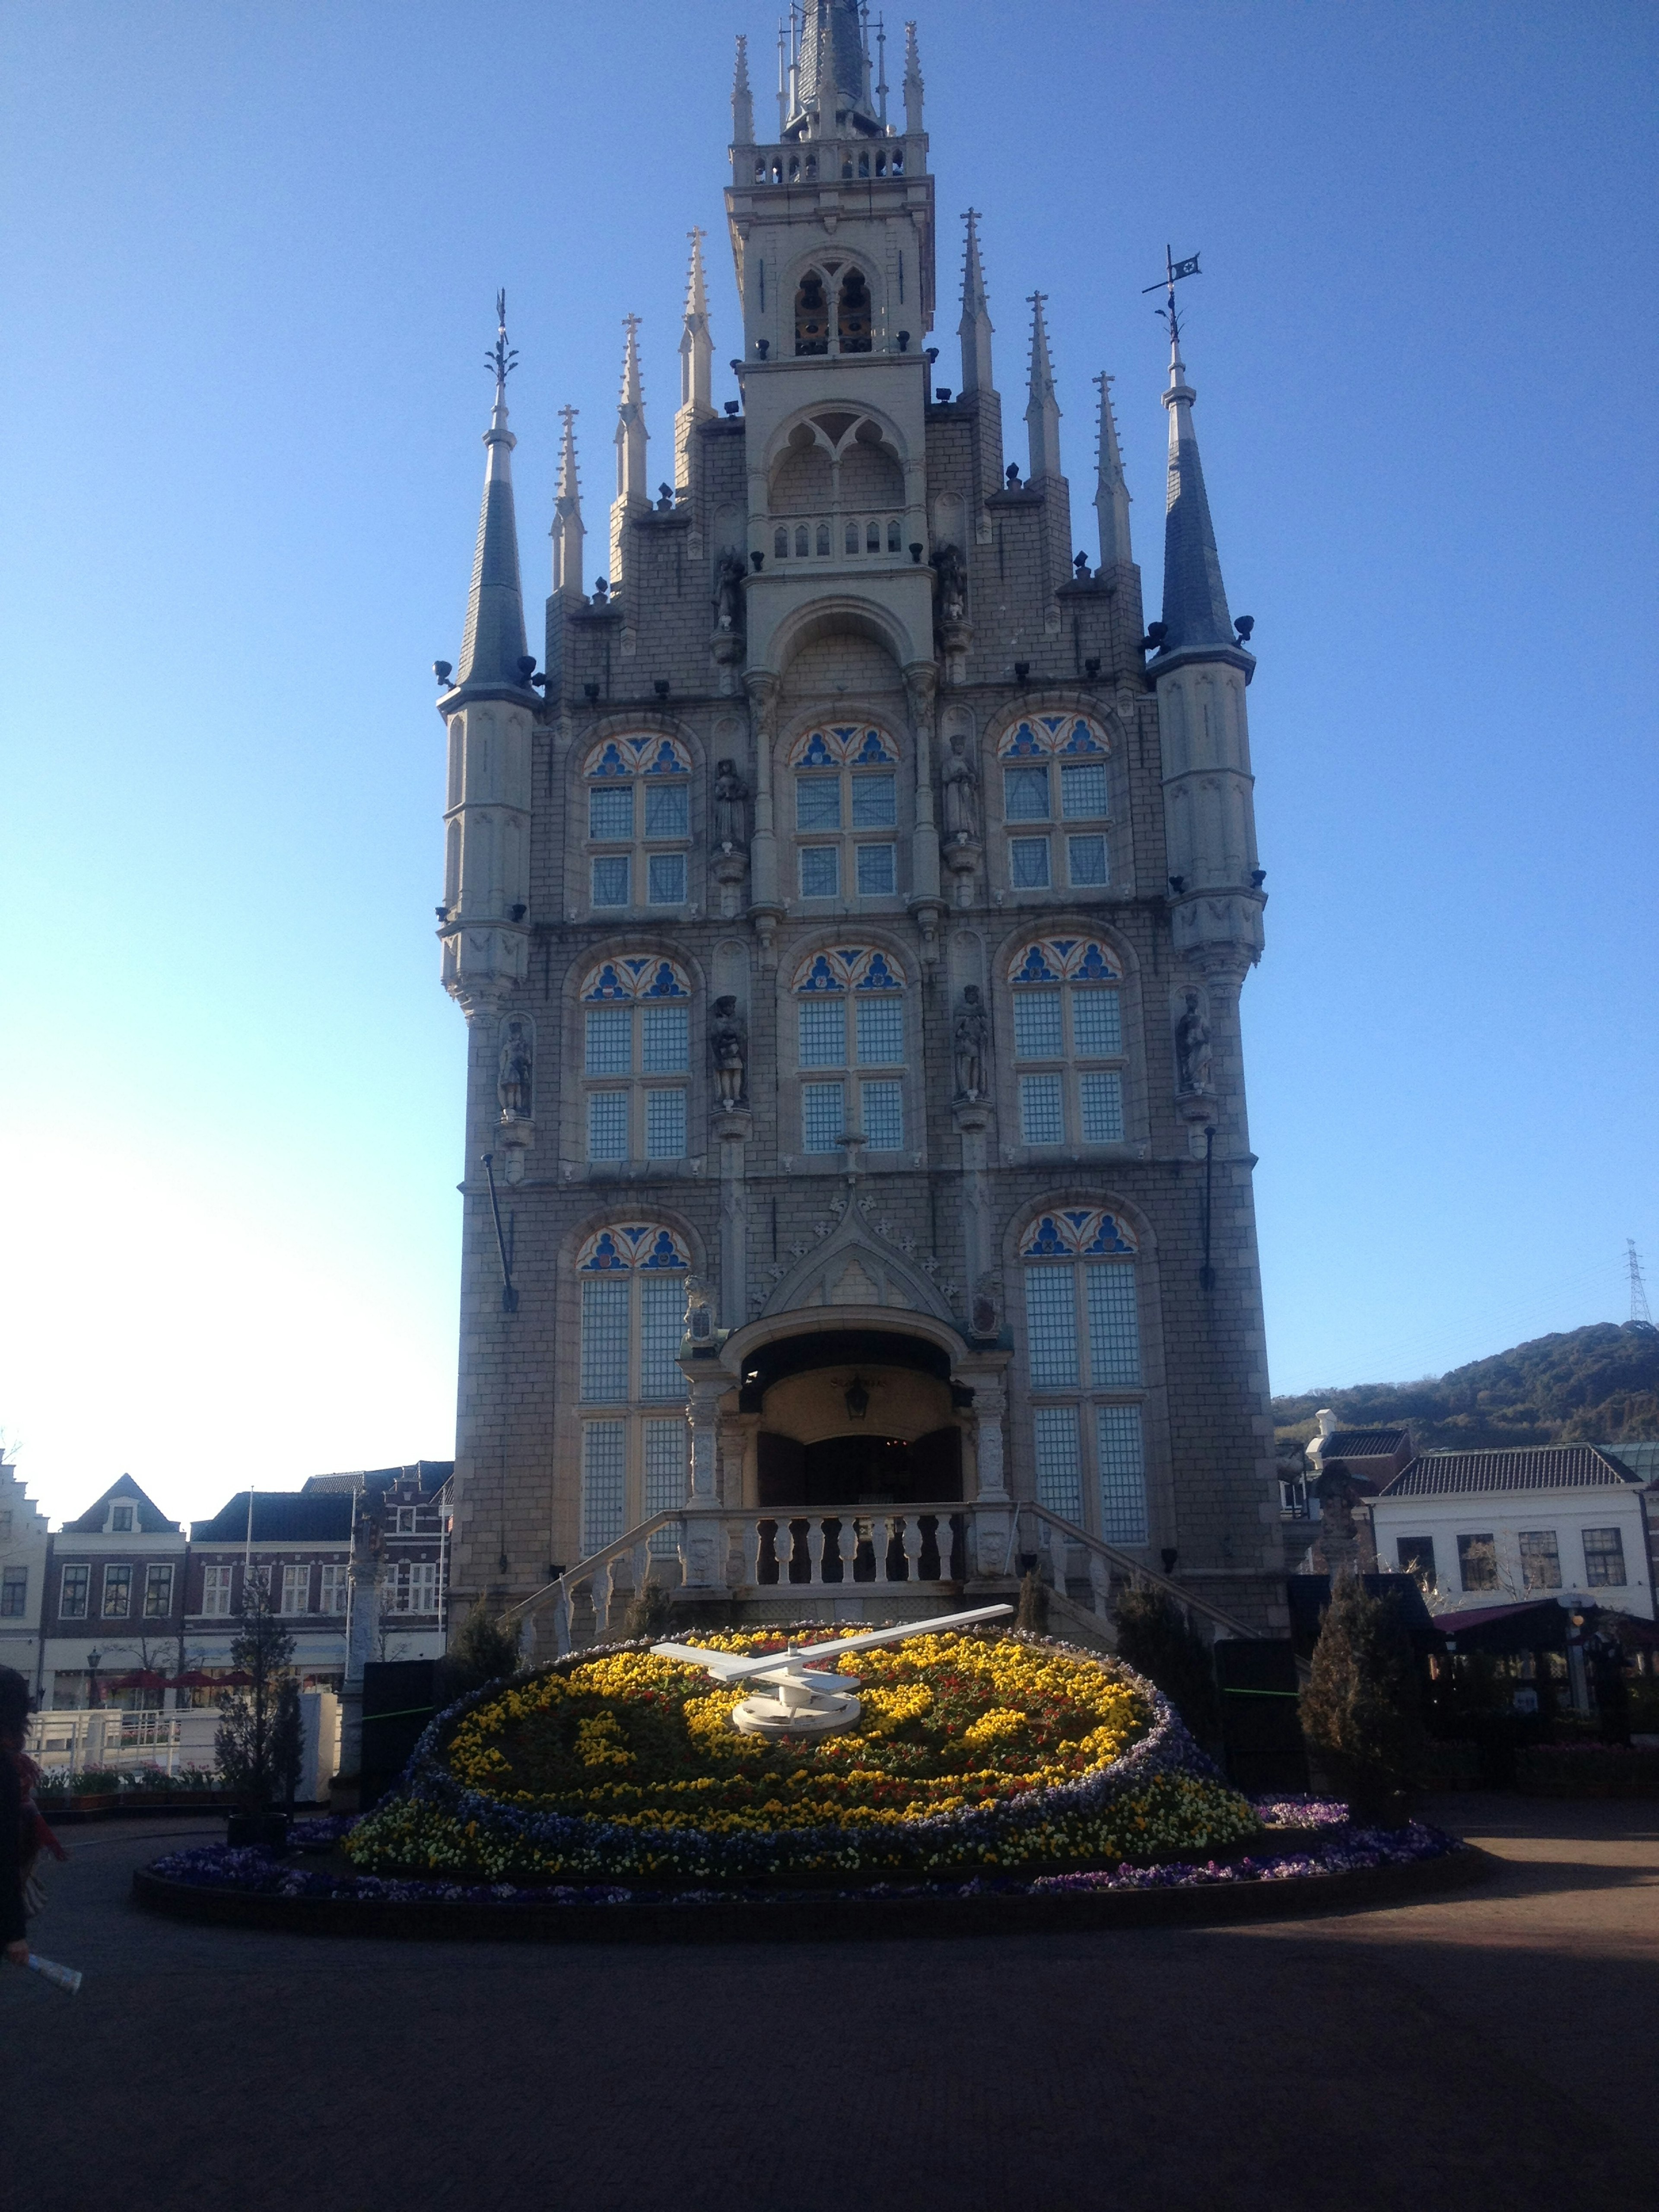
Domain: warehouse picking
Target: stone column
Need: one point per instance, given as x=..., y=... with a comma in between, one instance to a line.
x=732, y=1130
x=992, y=1508
x=762, y=688
x=363, y=1607
x=972, y=1120
x=704, y=1565
x=921, y=685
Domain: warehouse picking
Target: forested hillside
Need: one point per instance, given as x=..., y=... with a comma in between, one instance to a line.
x=1595, y=1385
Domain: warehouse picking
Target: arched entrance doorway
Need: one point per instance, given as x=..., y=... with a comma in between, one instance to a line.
x=854, y=1417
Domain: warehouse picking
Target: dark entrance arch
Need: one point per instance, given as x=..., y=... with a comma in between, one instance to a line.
x=858, y=1469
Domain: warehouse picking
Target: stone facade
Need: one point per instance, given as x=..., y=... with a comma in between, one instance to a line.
x=1018, y=859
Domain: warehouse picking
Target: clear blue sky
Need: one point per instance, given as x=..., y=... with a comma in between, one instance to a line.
x=250, y=259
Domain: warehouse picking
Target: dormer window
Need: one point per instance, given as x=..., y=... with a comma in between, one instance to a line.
x=120, y=1520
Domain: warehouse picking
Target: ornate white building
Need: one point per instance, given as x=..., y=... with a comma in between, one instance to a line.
x=849, y=920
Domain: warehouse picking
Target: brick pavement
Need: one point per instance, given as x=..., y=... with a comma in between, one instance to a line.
x=1487, y=2049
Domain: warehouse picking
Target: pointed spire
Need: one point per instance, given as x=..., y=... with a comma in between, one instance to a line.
x=912, y=82
x=975, y=328
x=1041, y=408
x=1195, y=598
x=568, y=532
x=632, y=489
x=743, y=100
x=696, y=345
x=1111, y=492
x=493, y=645
x=830, y=77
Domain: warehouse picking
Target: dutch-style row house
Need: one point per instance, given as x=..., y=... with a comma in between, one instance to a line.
x=123, y=1607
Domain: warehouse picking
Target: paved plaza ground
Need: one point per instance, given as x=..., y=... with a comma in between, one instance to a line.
x=1498, y=2047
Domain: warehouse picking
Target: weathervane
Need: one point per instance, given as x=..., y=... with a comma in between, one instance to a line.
x=504, y=360
x=1174, y=270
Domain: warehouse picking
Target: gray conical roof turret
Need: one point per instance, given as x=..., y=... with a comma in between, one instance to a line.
x=1195, y=598
x=494, y=643
x=830, y=73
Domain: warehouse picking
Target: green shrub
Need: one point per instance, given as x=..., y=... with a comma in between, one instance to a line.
x=483, y=1651
x=1154, y=1638
x=1362, y=1708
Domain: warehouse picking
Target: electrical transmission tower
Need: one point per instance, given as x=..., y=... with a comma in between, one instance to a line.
x=1639, y=1309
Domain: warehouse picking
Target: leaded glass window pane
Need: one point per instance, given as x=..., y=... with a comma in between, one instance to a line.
x=667, y=878
x=1477, y=1561
x=665, y=1125
x=1041, y=1121
x=610, y=1041
x=664, y=1478
x=877, y=877
x=604, y=1476
x=823, y=1114
x=1029, y=863
x=817, y=802
x=1101, y=1100
x=607, y=1125
x=664, y=1039
x=1083, y=791
x=1122, y=1474
x=882, y=1105
x=880, y=1032
x=1051, y=1325
x=1085, y=859
x=1036, y=1026
x=662, y=1324
x=1025, y=795
x=667, y=810
x=1540, y=1559
x=875, y=802
x=1058, y=1464
x=1604, y=1558
x=820, y=871
x=1096, y=1024
x=611, y=813
x=824, y=1032
x=604, y=1340
x=1113, y=1323
x=611, y=882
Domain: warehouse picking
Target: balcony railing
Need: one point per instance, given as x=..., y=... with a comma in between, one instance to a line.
x=916, y=1550
x=834, y=538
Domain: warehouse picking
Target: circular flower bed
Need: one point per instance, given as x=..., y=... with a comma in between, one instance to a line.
x=992, y=1751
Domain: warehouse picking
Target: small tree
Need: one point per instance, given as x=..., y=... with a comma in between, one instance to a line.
x=1362, y=1709
x=483, y=1651
x=1154, y=1637
x=651, y=1614
x=251, y=1742
x=1031, y=1614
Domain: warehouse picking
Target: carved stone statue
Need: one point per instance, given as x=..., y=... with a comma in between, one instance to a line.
x=514, y=1072
x=961, y=794
x=728, y=1046
x=1191, y=1039
x=728, y=591
x=699, y=1315
x=973, y=1035
x=953, y=586
x=730, y=806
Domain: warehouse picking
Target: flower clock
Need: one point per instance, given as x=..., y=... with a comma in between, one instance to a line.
x=971, y=1750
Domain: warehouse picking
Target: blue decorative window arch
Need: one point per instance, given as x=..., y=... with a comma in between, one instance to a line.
x=639, y=820
x=850, y=1014
x=1083, y=1362
x=633, y=1306
x=1068, y=1041
x=636, y=1057
x=1056, y=767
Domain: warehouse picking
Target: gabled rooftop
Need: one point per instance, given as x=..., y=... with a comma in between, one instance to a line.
x=1541, y=1467
x=149, y=1520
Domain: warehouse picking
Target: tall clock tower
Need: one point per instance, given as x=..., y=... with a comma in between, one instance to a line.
x=850, y=917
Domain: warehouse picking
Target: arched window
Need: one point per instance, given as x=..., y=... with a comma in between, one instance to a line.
x=845, y=781
x=1054, y=769
x=853, y=313
x=636, y=1056
x=1068, y=1041
x=849, y=1014
x=813, y=314
x=1083, y=1358
x=633, y=1314
x=639, y=821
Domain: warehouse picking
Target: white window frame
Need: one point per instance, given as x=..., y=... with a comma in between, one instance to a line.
x=625, y=761
x=218, y=1587
x=636, y=984
x=159, y=1575
x=332, y=1596
x=82, y=1611
x=643, y=1266
x=843, y=754
x=296, y=1576
x=14, y=1579
x=120, y=1568
x=1079, y=1418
